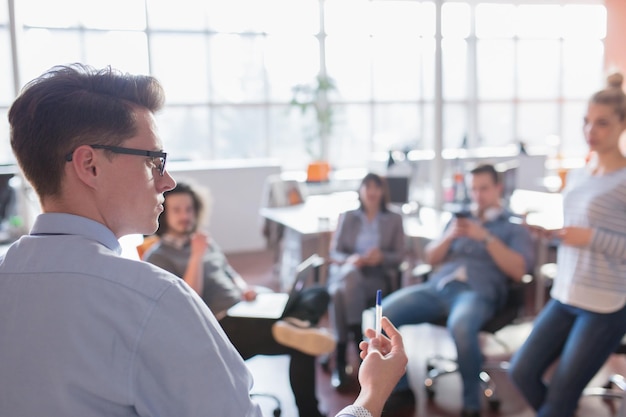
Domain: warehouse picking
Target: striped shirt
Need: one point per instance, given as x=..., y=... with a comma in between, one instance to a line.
x=594, y=277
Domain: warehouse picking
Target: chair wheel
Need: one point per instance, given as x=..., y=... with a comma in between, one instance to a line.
x=324, y=362
x=494, y=405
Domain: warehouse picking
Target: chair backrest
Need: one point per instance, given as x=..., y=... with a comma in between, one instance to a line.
x=512, y=308
x=147, y=243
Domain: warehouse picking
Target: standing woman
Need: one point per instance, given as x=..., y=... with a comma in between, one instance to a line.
x=366, y=251
x=585, y=320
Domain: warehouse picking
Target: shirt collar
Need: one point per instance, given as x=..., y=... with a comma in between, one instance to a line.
x=70, y=224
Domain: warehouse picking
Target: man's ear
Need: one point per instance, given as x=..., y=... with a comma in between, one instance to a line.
x=85, y=164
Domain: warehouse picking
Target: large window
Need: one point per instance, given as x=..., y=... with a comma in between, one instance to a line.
x=511, y=70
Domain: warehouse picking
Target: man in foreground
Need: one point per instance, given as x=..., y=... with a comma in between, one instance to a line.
x=86, y=332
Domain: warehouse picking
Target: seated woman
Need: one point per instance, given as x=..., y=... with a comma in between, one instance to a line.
x=366, y=251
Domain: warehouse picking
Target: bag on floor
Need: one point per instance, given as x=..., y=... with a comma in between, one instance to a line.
x=311, y=304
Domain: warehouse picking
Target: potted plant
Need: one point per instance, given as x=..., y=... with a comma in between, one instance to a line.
x=315, y=96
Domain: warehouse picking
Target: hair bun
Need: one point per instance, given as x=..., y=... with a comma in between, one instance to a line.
x=615, y=80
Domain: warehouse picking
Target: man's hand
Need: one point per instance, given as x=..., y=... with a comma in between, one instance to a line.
x=199, y=244
x=384, y=362
x=249, y=294
x=471, y=229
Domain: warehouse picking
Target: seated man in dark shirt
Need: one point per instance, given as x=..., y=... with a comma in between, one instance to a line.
x=198, y=260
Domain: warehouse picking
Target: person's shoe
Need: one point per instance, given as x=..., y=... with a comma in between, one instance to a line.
x=310, y=340
x=470, y=413
x=399, y=401
x=340, y=379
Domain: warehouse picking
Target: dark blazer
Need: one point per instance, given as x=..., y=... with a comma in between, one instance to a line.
x=392, y=238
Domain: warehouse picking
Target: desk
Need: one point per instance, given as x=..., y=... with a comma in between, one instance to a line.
x=316, y=219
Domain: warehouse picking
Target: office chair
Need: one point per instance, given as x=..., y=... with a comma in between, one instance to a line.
x=277, y=406
x=615, y=387
x=394, y=283
x=438, y=366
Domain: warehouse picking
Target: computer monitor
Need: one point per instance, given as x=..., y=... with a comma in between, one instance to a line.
x=398, y=189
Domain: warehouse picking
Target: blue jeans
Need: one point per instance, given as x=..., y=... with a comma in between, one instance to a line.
x=580, y=339
x=466, y=312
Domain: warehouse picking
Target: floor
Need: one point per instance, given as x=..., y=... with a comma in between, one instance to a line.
x=258, y=268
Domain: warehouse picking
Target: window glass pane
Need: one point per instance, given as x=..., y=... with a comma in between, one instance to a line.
x=126, y=51
x=237, y=15
x=538, y=66
x=185, y=132
x=536, y=121
x=404, y=18
x=349, y=146
x=572, y=140
x=454, y=125
x=239, y=132
x=180, y=14
x=495, y=121
x=6, y=70
x=4, y=14
x=593, y=16
x=495, y=63
x=40, y=51
x=113, y=14
x=539, y=21
x=428, y=128
x=291, y=17
x=426, y=24
x=271, y=16
x=455, y=20
x=184, y=75
x=396, y=126
x=291, y=134
x=348, y=62
x=583, y=67
x=454, y=57
x=495, y=20
x=289, y=61
x=343, y=14
x=397, y=74
x=47, y=13
x=237, y=68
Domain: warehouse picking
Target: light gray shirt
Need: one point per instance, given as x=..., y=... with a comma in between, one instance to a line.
x=84, y=332
x=594, y=277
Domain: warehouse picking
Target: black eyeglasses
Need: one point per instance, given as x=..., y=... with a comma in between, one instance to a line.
x=158, y=158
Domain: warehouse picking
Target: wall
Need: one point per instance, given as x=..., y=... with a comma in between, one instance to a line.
x=236, y=188
x=615, y=53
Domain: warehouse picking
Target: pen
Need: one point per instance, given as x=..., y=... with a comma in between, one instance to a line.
x=379, y=311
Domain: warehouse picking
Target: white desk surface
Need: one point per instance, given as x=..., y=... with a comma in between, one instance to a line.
x=319, y=214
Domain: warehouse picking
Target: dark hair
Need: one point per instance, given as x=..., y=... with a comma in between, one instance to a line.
x=487, y=169
x=380, y=182
x=75, y=105
x=612, y=95
x=181, y=188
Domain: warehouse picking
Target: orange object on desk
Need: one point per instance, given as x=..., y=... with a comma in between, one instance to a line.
x=318, y=171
